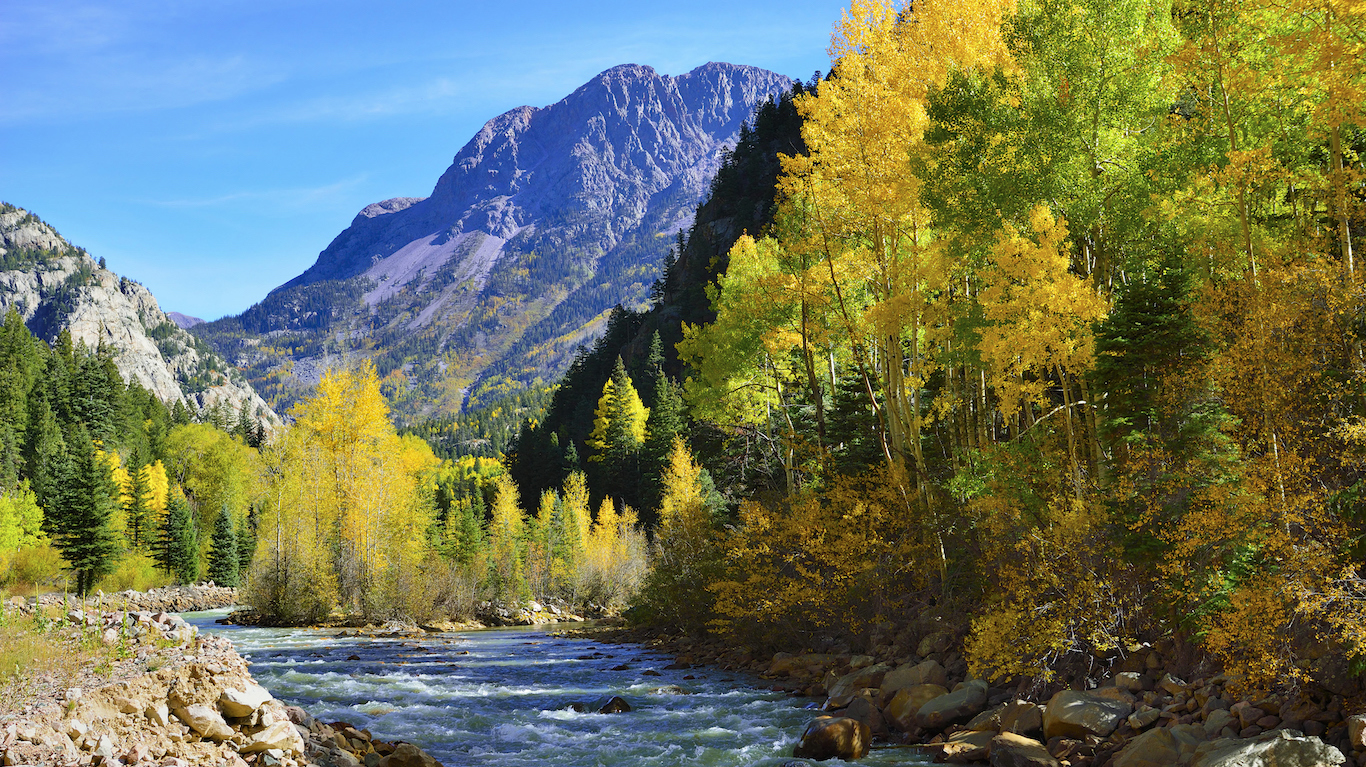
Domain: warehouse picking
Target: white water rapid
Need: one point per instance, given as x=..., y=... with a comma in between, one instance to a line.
x=501, y=697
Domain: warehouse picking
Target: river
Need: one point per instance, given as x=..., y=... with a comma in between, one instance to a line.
x=501, y=697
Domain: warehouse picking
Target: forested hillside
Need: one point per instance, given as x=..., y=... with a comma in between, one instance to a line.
x=1055, y=327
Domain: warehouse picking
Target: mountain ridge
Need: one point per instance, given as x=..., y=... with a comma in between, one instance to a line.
x=544, y=220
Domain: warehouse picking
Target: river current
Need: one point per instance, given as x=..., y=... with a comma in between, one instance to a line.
x=501, y=697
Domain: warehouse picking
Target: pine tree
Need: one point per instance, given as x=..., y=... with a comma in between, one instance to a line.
x=618, y=432
x=223, y=562
x=80, y=507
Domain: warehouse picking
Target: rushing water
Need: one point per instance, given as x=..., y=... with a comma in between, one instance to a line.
x=501, y=696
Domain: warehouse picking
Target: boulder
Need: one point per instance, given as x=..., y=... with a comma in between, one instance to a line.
x=1129, y=681
x=967, y=746
x=281, y=735
x=909, y=675
x=1356, y=731
x=1011, y=750
x=1171, y=684
x=408, y=755
x=1022, y=717
x=614, y=705
x=828, y=737
x=958, y=706
x=1144, y=716
x=204, y=721
x=1158, y=747
x=243, y=702
x=938, y=642
x=863, y=709
x=158, y=714
x=1217, y=721
x=901, y=711
x=1281, y=748
x=795, y=665
x=869, y=676
x=1072, y=714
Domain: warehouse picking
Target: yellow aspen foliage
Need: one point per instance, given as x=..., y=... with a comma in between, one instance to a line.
x=507, y=528
x=293, y=577
x=620, y=415
x=827, y=559
x=1039, y=314
x=343, y=471
x=615, y=557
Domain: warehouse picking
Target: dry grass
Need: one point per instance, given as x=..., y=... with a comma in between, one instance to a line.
x=38, y=655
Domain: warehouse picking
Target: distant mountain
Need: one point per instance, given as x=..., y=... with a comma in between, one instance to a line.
x=544, y=221
x=184, y=321
x=56, y=286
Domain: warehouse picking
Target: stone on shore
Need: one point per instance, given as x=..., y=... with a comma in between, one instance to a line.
x=1072, y=714
x=204, y=721
x=1159, y=747
x=958, y=706
x=244, y=702
x=929, y=672
x=281, y=735
x=1011, y=750
x=901, y=711
x=408, y=755
x=1281, y=748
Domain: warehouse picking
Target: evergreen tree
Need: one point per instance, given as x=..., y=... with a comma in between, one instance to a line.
x=137, y=514
x=618, y=432
x=177, y=552
x=81, y=504
x=223, y=561
x=666, y=422
x=246, y=542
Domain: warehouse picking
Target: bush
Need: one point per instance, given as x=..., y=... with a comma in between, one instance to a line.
x=39, y=568
x=136, y=571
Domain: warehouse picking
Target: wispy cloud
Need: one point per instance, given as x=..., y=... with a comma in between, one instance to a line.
x=291, y=198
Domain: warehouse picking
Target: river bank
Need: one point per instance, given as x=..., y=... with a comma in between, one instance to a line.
x=1138, y=711
x=170, y=599
x=147, y=688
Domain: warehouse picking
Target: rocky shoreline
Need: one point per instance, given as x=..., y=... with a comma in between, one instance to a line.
x=171, y=599
x=488, y=615
x=1139, y=714
x=178, y=699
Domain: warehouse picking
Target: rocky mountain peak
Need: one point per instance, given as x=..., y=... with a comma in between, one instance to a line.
x=546, y=218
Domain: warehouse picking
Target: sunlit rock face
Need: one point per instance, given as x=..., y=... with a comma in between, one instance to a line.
x=546, y=219
x=55, y=286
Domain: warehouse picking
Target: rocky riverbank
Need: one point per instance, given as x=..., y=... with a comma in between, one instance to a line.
x=173, y=698
x=1138, y=712
x=486, y=615
x=171, y=599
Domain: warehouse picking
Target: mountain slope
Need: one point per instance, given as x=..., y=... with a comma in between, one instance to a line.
x=544, y=221
x=55, y=286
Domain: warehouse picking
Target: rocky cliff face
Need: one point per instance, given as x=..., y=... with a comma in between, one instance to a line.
x=55, y=286
x=544, y=221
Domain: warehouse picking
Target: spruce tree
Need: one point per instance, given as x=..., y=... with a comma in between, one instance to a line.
x=666, y=421
x=81, y=504
x=223, y=562
x=136, y=512
x=177, y=552
x=246, y=543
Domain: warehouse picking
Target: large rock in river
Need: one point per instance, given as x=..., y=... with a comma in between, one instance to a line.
x=1072, y=714
x=828, y=737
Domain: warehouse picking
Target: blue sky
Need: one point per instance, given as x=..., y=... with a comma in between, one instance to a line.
x=211, y=149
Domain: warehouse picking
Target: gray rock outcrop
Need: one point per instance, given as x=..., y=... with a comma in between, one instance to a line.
x=55, y=286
